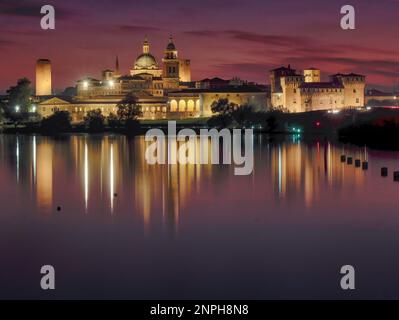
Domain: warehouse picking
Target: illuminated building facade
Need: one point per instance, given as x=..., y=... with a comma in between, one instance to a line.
x=300, y=93
x=162, y=92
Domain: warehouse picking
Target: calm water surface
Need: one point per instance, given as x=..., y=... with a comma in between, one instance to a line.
x=127, y=229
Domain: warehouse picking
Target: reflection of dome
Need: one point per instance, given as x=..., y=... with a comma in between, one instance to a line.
x=145, y=61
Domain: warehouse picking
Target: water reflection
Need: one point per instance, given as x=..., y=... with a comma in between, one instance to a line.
x=302, y=170
x=109, y=174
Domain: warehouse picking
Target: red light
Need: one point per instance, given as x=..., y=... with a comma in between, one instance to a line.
x=318, y=124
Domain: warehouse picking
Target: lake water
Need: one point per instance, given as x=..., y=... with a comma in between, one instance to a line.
x=127, y=229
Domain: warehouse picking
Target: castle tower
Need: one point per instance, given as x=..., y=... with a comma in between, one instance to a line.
x=312, y=75
x=170, y=61
x=291, y=92
x=43, y=77
x=354, y=89
x=275, y=83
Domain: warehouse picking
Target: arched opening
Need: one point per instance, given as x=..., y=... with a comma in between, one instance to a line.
x=190, y=105
x=182, y=105
x=173, y=106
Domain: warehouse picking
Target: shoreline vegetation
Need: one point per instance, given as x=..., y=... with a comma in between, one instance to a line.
x=376, y=127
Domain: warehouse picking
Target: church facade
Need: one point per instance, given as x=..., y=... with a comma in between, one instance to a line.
x=163, y=92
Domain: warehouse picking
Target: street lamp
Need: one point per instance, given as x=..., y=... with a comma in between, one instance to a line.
x=33, y=110
x=17, y=108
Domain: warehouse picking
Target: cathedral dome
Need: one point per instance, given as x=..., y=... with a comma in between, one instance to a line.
x=145, y=61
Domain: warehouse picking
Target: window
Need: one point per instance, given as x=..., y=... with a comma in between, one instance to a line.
x=357, y=100
x=354, y=90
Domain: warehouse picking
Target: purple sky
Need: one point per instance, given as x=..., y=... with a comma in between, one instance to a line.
x=223, y=38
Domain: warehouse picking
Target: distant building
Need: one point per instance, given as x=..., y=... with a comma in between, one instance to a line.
x=163, y=92
x=300, y=93
x=43, y=77
x=197, y=102
x=378, y=98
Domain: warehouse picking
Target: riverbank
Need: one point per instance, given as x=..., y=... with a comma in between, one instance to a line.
x=373, y=127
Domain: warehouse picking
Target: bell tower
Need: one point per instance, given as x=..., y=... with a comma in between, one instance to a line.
x=170, y=61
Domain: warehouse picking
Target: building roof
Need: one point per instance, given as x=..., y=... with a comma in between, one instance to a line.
x=283, y=69
x=347, y=75
x=89, y=79
x=56, y=100
x=135, y=77
x=378, y=93
x=321, y=85
x=227, y=89
x=215, y=79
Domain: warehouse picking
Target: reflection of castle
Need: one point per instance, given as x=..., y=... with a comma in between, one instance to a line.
x=304, y=171
x=300, y=93
x=163, y=92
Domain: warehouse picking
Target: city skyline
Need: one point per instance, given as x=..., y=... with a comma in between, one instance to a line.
x=240, y=39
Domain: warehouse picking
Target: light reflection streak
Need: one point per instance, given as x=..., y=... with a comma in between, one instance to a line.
x=86, y=175
x=17, y=156
x=34, y=157
x=111, y=177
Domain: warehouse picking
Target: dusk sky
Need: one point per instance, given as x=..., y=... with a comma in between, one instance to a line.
x=222, y=38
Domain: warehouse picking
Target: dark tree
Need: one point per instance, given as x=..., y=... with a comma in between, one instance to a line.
x=94, y=120
x=59, y=121
x=219, y=121
x=19, y=96
x=113, y=121
x=271, y=122
x=242, y=116
x=69, y=92
x=223, y=106
x=129, y=109
x=19, y=102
